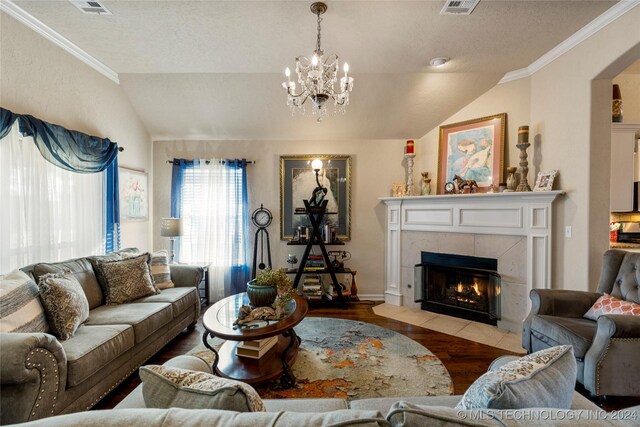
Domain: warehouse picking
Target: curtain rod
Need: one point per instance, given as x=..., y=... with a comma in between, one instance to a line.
x=222, y=162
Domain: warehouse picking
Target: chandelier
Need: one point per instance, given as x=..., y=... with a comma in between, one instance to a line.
x=317, y=77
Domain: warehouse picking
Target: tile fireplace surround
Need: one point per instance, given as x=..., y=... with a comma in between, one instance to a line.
x=515, y=228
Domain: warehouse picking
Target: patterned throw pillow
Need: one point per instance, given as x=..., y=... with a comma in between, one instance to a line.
x=127, y=279
x=544, y=379
x=160, y=270
x=20, y=307
x=167, y=387
x=608, y=304
x=64, y=302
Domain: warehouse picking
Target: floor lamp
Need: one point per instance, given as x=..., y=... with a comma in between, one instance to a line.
x=171, y=228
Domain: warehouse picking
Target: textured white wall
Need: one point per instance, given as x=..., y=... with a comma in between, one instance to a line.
x=40, y=79
x=571, y=115
x=512, y=98
x=375, y=165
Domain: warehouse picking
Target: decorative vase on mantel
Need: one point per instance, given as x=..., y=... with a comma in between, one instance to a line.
x=512, y=181
x=616, y=105
x=260, y=295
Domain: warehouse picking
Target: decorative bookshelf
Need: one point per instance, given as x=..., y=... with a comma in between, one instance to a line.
x=316, y=215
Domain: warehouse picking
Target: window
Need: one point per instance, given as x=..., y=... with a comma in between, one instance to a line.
x=48, y=214
x=215, y=223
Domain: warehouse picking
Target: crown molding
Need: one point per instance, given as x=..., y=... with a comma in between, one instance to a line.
x=581, y=35
x=56, y=38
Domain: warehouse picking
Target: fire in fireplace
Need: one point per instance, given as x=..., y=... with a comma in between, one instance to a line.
x=457, y=285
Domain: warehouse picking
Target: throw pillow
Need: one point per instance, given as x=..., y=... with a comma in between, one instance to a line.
x=608, y=304
x=544, y=379
x=160, y=270
x=168, y=387
x=64, y=303
x=127, y=279
x=20, y=307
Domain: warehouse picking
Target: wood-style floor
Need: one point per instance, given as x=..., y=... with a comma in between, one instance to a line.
x=465, y=360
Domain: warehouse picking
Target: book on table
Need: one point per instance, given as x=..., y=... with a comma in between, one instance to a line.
x=257, y=343
x=256, y=352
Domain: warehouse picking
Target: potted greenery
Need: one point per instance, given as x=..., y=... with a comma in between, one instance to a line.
x=263, y=290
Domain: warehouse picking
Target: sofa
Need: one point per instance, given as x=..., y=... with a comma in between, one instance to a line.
x=607, y=349
x=401, y=412
x=42, y=376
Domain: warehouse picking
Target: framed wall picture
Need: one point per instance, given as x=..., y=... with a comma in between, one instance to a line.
x=133, y=186
x=544, y=181
x=472, y=149
x=297, y=182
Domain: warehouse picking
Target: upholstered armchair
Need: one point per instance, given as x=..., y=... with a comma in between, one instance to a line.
x=607, y=350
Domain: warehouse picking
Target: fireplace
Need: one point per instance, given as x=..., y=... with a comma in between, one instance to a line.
x=458, y=285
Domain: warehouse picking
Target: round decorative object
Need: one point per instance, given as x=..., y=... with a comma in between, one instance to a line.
x=261, y=296
x=450, y=188
x=262, y=217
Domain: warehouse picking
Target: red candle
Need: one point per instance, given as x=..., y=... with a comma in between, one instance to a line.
x=409, y=149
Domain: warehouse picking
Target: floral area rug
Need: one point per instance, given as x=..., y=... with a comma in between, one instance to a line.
x=355, y=360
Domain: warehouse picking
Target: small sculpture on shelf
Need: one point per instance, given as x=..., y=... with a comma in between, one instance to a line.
x=248, y=314
x=425, y=185
x=512, y=181
x=461, y=184
x=292, y=259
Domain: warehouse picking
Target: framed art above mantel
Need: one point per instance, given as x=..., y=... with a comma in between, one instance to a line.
x=472, y=150
x=297, y=182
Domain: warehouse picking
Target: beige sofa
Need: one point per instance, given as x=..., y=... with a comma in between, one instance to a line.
x=432, y=411
x=42, y=376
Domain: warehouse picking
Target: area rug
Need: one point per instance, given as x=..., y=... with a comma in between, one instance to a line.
x=355, y=360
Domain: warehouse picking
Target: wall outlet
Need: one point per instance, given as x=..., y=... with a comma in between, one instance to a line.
x=567, y=232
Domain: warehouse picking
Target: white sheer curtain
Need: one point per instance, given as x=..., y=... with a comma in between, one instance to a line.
x=48, y=214
x=209, y=210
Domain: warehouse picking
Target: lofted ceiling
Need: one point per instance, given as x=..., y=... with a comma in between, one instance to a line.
x=213, y=69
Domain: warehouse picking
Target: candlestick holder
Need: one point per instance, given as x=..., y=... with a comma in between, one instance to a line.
x=409, y=157
x=523, y=144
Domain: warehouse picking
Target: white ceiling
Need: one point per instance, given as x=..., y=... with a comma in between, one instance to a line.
x=213, y=69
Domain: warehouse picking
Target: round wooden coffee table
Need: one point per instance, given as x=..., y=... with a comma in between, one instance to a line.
x=218, y=322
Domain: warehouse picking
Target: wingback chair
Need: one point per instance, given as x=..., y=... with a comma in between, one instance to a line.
x=607, y=350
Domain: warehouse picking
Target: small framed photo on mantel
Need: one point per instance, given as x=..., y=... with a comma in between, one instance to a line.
x=544, y=181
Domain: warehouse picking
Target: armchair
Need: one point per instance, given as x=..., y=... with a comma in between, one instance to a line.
x=606, y=350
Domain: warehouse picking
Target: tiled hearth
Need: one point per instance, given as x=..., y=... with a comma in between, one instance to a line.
x=473, y=331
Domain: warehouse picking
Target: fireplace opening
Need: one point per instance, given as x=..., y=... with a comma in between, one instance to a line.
x=458, y=285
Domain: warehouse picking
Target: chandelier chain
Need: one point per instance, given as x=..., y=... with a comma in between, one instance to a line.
x=318, y=49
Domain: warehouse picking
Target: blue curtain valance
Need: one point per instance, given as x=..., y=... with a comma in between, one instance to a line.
x=68, y=149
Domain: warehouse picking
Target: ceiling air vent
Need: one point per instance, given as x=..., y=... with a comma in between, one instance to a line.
x=91, y=7
x=459, y=7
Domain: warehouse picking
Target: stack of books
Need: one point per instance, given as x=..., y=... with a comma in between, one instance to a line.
x=314, y=263
x=256, y=349
x=312, y=286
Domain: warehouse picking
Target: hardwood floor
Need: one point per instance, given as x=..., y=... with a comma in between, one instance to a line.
x=465, y=360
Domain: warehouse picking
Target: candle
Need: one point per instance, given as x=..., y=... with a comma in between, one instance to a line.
x=409, y=148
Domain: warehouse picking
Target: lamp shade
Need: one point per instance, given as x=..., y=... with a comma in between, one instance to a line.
x=171, y=227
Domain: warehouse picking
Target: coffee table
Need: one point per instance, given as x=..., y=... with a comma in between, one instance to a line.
x=218, y=322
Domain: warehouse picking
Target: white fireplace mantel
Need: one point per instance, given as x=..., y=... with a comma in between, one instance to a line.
x=513, y=213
